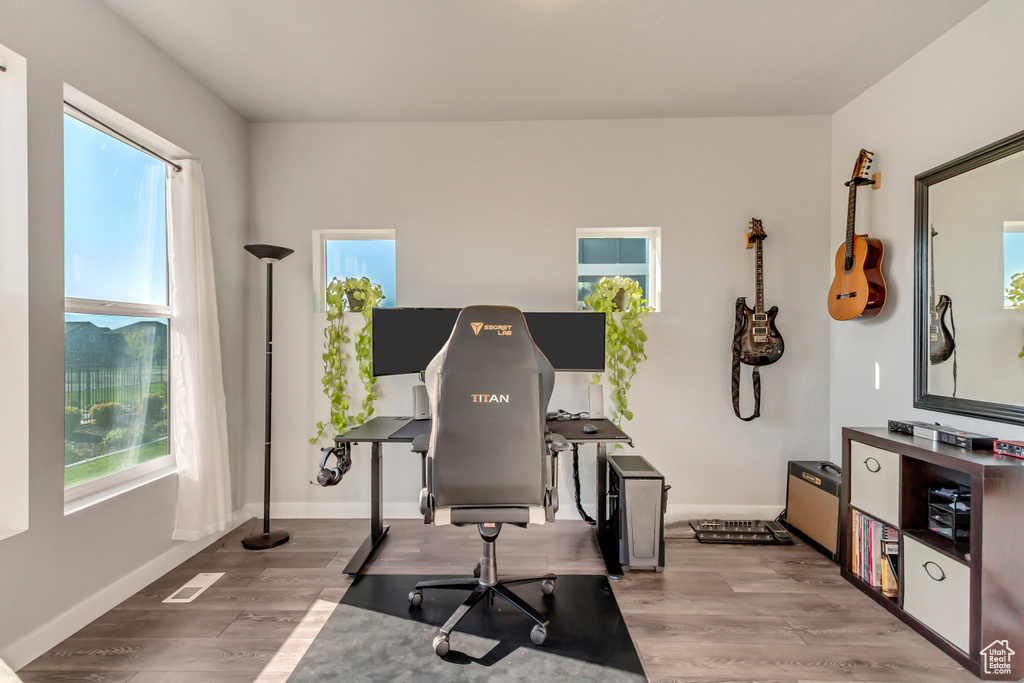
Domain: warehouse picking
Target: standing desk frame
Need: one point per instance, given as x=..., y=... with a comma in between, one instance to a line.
x=380, y=430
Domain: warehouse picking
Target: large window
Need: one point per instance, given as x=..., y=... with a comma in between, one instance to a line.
x=355, y=253
x=627, y=252
x=116, y=306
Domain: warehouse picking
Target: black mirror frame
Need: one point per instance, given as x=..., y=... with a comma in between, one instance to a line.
x=1000, y=412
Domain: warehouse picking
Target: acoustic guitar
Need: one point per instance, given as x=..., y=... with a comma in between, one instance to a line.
x=760, y=341
x=940, y=339
x=858, y=289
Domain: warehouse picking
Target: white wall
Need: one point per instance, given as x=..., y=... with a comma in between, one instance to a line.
x=64, y=571
x=487, y=212
x=962, y=92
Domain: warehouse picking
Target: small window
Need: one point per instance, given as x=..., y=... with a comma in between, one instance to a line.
x=117, y=310
x=1013, y=262
x=626, y=252
x=355, y=253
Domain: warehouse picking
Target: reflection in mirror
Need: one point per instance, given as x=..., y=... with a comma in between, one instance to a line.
x=974, y=309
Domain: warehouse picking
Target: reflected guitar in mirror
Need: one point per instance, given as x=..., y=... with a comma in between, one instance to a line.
x=941, y=342
x=858, y=289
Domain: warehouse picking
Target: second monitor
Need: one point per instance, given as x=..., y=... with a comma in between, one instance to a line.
x=406, y=339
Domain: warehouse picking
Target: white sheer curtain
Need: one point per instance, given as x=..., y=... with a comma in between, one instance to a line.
x=196, y=404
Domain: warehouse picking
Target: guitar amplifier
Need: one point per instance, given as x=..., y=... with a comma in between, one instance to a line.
x=812, y=504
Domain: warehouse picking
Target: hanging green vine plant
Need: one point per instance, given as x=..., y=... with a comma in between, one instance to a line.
x=621, y=300
x=357, y=295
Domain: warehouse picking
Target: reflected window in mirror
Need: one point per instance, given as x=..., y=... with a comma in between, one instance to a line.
x=1013, y=264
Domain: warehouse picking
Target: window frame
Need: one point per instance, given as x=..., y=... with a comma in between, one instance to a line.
x=320, y=239
x=653, y=255
x=95, y=490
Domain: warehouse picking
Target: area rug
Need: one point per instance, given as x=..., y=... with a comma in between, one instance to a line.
x=375, y=635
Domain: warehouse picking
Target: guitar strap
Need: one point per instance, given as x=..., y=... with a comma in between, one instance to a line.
x=953, y=324
x=736, y=361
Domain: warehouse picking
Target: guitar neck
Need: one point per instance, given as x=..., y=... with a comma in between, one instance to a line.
x=851, y=213
x=931, y=274
x=759, y=276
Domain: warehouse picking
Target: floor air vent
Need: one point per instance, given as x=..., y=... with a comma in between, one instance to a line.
x=194, y=588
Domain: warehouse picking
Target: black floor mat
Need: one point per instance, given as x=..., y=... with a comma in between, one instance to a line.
x=375, y=635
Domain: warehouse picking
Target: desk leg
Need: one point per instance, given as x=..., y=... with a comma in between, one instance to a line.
x=605, y=540
x=377, y=529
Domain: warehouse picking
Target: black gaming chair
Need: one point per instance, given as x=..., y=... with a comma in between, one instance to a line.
x=489, y=459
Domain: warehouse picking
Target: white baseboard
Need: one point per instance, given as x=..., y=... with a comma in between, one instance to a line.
x=677, y=512
x=335, y=510
x=48, y=635
x=681, y=512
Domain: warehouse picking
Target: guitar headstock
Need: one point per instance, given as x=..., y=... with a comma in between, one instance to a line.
x=861, y=169
x=756, y=230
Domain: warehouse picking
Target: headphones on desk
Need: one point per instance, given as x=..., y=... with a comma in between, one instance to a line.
x=332, y=476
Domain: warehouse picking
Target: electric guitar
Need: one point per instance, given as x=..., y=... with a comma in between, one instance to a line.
x=858, y=289
x=760, y=341
x=940, y=339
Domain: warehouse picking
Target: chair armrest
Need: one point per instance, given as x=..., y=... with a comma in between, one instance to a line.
x=421, y=443
x=557, y=442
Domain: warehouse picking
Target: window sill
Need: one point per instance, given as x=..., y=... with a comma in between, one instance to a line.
x=102, y=489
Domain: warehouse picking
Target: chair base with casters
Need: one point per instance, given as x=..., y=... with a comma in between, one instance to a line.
x=487, y=585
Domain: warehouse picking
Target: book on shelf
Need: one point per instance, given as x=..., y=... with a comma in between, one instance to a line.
x=875, y=556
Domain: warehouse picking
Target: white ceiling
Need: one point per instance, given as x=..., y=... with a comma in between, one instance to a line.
x=427, y=60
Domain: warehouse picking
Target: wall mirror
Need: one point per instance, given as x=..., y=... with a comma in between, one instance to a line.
x=969, y=284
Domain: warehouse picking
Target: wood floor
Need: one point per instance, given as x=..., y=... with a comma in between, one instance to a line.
x=717, y=613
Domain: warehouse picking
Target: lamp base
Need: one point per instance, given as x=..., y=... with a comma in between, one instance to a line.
x=265, y=541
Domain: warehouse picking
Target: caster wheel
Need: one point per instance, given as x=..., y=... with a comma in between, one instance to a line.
x=441, y=645
x=476, y=571
x=415, y=598
x=538, y=634
x=548, y=587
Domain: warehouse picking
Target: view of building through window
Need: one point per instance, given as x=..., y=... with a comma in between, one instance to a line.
x=115, y=258
x=610, y=252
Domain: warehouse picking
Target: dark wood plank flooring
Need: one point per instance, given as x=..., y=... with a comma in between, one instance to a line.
x=717, y=613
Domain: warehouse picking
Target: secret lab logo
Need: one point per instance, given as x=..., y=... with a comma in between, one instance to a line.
x=502, y=330
x=490, y=398
x=996, y=658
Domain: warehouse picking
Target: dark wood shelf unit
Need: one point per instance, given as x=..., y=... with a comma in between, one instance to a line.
x=994, y=554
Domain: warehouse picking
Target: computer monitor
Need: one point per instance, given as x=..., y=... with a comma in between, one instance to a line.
x=572, y=342
x=405, y=340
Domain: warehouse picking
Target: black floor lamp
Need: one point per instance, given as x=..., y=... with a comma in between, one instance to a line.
x=270, y=255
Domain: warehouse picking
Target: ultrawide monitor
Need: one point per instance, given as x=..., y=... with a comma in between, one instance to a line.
x=406, y=339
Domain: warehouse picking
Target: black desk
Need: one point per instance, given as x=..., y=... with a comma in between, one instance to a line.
x=379, y=430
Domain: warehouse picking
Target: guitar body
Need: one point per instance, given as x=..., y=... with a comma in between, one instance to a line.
x=756, y=347
x=940, y=339
x=860, y=291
